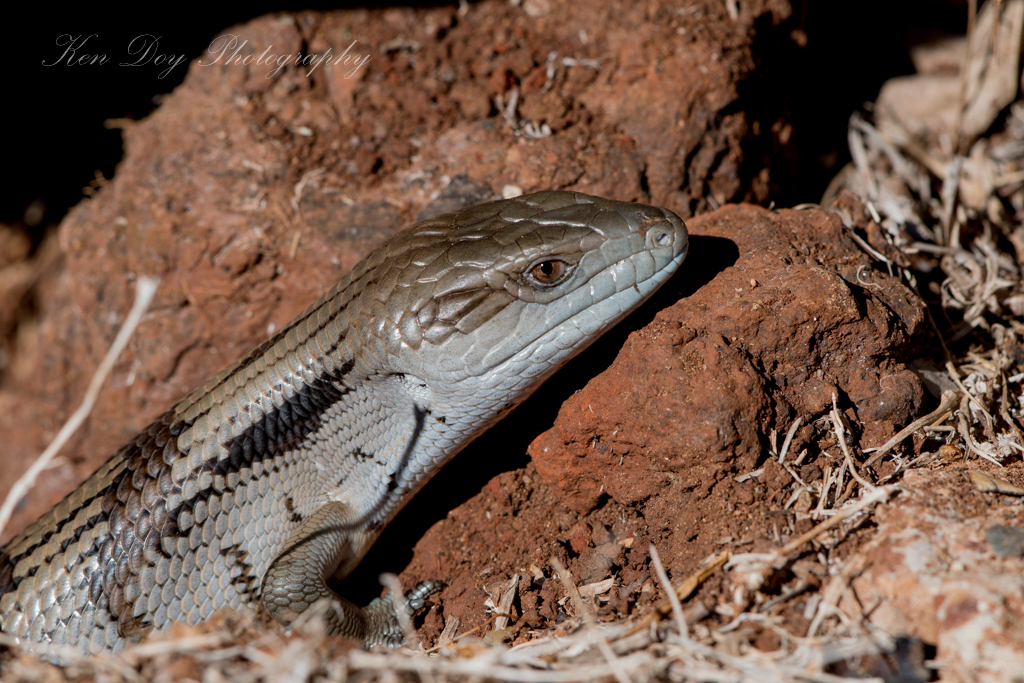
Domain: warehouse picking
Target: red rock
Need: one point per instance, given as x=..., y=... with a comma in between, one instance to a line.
x=781, y=311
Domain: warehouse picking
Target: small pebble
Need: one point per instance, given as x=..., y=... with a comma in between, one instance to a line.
x=1006, y=541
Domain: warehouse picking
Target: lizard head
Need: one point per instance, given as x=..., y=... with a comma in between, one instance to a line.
x=510, y=290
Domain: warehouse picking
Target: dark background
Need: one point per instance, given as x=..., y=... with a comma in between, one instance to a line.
x=56, y=143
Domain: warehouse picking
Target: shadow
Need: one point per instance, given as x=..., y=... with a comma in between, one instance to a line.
x=503, y=447
x=59, y=148
x=811, y=73
x=708, y=257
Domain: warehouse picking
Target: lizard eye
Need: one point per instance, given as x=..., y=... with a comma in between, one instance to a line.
x=548, y=273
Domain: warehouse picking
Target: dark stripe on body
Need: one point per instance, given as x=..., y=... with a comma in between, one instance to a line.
x=148, y=463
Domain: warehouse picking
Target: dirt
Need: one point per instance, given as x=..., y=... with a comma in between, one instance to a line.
x=251, y=195
x=936, y=570
x=773, y=315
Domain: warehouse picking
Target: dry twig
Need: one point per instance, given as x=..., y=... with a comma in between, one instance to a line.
x=145, y=288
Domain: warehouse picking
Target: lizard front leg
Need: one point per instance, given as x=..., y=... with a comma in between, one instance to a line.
x=297, y=578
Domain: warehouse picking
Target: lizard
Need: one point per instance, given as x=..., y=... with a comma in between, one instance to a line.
x=281, y=471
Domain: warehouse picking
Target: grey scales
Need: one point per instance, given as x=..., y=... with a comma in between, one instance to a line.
x=281, y=471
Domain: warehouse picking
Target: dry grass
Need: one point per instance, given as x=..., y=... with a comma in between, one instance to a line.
x=950, y=213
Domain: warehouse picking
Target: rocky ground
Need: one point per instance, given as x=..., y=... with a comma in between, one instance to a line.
x=733, y=415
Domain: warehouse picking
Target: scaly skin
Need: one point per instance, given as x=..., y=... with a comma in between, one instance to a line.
x=282, y=470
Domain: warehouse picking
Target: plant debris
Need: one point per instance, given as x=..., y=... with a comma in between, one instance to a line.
x=943, y=190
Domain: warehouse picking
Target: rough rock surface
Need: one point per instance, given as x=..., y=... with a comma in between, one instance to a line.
x=772, y=314
x=252, y=189
x=946, y=566
x=249, y=195
x=800, y=316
